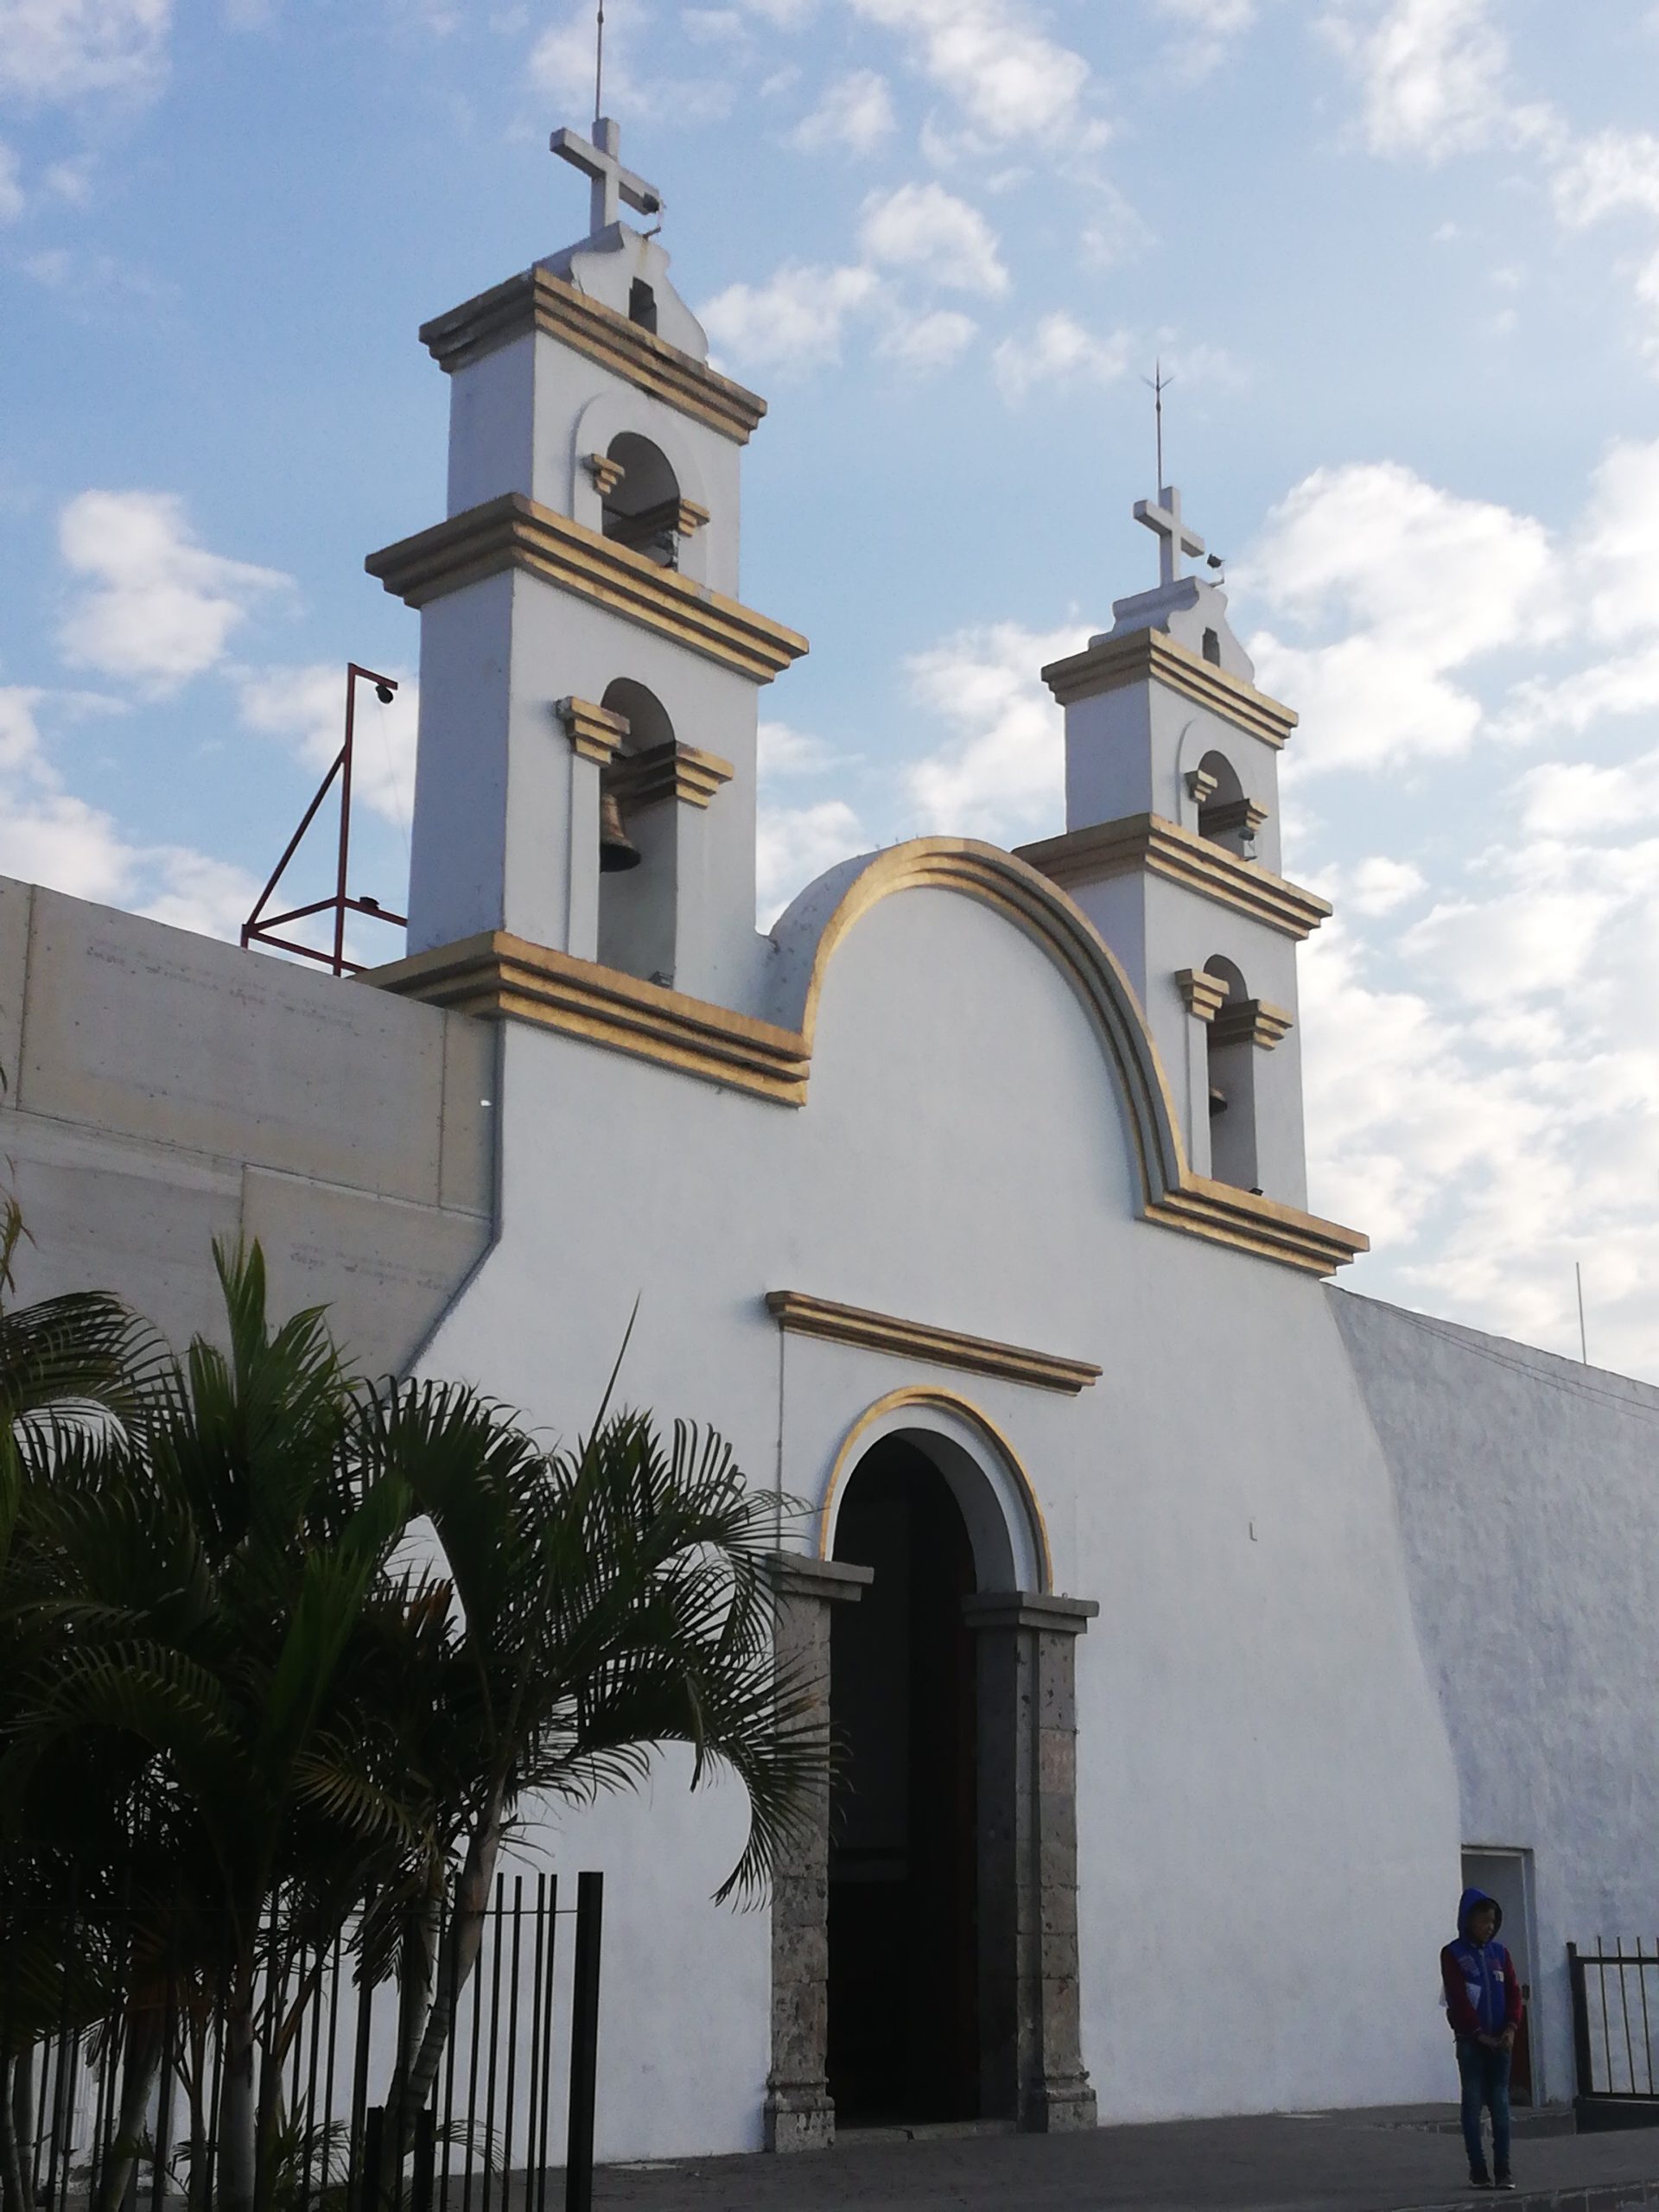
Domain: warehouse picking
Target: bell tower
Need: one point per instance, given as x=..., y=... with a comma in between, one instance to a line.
x=1172, y=849
x=585, y=780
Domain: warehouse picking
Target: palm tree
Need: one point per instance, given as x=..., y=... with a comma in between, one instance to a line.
x=205, y=1572
x=79, y=1364
x=611, y=1599
x=244, y=1654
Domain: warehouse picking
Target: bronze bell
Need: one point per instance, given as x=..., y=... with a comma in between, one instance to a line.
x=617, y=850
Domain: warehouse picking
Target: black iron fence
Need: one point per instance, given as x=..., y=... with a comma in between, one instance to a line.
x=118, y=2105
x=1615, y=2019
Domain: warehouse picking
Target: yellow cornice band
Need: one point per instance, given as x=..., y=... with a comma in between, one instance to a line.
x=537, y=300
x=515, y=533
x=801, y=1314
x=1148, y=842
x=1153, y=656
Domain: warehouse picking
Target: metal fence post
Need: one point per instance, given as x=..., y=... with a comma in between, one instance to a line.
x=1581, y=2062
x=584, y=2044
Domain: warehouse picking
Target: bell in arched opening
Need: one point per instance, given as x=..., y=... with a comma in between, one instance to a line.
x=617, y=850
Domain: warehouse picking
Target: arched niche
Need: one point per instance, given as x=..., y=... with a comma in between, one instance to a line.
x=1231, y=1051
x=639, y=506
x=609, y=418
x=638, y=906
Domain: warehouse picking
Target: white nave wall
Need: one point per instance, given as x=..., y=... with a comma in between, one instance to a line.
x=1259, y=1745
x=1531, y=1518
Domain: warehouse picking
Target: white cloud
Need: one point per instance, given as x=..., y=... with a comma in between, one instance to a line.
x=1000, y=774
x=1009, y=80
x=67, y=50
x=797, y=843
x=923, y=228
x=307, y=706
x=20, y=733
x=1058, y=351
x=927, y=343
x=11, y=189
x=792, y=322
x=855, y=113
x=784, y=751
x=1379, y=886
x=1432, y=71
x=1604, y=175
x=1206, y=30
x=1580, y=798
x=156, y=609
x=1421, y=583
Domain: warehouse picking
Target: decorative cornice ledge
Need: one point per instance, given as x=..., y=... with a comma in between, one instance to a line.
x=496, y=975
x=1161, y=848
x=671, y=770
x=537, y=300
x=995, y=1608
x=515, y=532
x=595, y=732
x=1252, y=1021
x=1228, y=1216
x=803, y=1315
x=1143, y=656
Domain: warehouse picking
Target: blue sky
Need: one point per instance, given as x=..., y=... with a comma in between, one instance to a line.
x=1402, y=256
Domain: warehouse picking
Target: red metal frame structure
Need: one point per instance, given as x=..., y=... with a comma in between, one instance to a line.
x=261, y=928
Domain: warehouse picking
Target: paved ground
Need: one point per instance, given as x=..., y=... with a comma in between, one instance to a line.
x=1391, y=2160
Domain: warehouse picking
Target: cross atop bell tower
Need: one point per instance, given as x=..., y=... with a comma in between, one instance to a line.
x=614, y=186
x=1174, y=538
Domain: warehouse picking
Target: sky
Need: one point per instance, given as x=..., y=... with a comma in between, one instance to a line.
x=1400, y=258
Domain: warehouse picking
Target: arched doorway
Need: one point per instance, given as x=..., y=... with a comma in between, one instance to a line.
x=904, y=2025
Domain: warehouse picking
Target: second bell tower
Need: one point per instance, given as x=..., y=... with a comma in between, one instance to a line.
x=584, y=650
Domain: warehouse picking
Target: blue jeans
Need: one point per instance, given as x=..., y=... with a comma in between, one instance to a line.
x=1485, y=2074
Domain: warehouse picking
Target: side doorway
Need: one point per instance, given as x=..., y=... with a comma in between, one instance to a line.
x=1506, y=1877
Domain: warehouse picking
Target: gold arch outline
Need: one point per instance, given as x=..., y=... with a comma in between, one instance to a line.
x=1014, y=888
x=933, y=1400
x=1172, y=1194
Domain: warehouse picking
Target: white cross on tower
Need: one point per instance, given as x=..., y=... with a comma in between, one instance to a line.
x=1174, y=538
x=612, y=184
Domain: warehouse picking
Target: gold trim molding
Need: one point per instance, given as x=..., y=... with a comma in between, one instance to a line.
x=537, y=300
x=594, y=732
x=1146, y=842
x=1153, y=656
x=927, y=1399
x=501, y=976
x=498, y=976
x=515, y=533
x=671, y=770
x=1202, y=994
x=1252, y=1021
x=800, y=1314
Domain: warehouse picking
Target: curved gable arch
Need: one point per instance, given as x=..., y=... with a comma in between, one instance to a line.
x=829, y=909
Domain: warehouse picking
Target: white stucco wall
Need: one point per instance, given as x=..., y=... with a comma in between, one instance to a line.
x=1528, y=1495
x=1268, y=1820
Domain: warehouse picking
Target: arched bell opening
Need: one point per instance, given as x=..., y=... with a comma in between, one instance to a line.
x=1231, y=1051
x=904, y=2016
x=637, y=884
x=641, y=508
x=1226, y=816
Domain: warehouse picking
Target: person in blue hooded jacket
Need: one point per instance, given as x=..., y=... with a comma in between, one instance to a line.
x=1483, y=2002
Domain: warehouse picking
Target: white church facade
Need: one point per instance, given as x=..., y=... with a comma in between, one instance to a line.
x=1187, y=1618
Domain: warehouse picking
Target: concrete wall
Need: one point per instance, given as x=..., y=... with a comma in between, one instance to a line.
x=164, y=1089
x=1258, y=1743
x=1529, y=1502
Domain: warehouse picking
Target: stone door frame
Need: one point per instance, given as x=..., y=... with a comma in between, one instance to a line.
x=1031, y=2064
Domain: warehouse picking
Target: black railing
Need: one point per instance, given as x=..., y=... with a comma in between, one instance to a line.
x=1615, y=2019
x=116, y=2107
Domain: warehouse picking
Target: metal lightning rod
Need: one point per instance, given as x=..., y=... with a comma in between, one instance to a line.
x=599, y=65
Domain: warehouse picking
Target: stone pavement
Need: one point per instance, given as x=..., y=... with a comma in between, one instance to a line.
x=1387, y=2160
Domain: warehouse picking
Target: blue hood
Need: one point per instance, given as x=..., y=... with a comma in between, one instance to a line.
x=1467, y=1904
